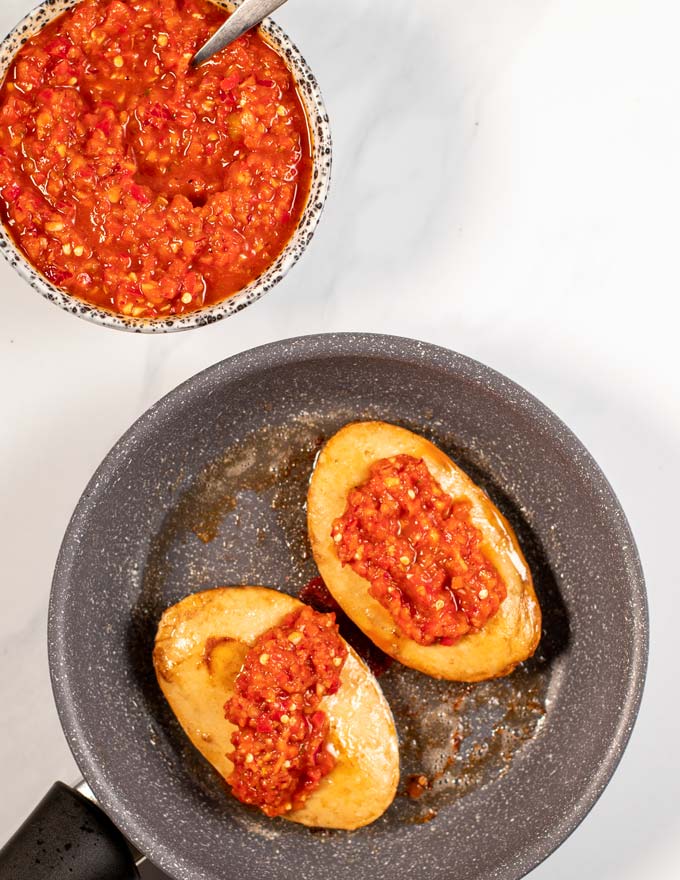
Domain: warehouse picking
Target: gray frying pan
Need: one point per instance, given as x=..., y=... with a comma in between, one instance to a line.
x=208, y=489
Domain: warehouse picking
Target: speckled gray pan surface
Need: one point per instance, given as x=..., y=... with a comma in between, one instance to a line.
x=208, y=488
x=320, y=136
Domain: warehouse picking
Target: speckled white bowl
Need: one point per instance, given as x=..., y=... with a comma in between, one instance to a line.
x=320, y=137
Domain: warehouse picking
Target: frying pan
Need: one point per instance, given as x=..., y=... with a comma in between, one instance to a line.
x=208, y=489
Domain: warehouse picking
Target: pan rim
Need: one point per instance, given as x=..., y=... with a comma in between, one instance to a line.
x=365, y=346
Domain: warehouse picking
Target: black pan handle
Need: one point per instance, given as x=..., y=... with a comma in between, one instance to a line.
x=67, y=837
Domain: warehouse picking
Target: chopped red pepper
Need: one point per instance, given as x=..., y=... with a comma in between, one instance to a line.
x=230, y=82
x=280, y=745
x=178, y=186
x=420, y=552
x=58, y=47
x=140, y=194
x=317, y=594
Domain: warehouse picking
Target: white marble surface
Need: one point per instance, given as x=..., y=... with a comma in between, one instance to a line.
x=506, y=184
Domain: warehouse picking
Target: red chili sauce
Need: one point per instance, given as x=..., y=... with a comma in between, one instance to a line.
x=137, y=184
x=420, y=551
x=317, y=594
x=280, y=751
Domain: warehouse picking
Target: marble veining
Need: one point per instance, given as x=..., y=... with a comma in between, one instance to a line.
x=505, y=183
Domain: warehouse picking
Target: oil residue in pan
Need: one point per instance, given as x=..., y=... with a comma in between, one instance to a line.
x=456, y=737
x=243, y=520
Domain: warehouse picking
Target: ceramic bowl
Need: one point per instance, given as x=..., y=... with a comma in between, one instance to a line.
x=320, y=137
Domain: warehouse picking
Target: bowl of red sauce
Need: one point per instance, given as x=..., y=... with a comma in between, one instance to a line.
x=143, y=195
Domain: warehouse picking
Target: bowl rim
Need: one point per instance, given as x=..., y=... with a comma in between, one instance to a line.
x=321, y=144
x=318, y=347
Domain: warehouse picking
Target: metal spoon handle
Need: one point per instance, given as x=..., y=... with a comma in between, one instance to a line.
x=248, y=14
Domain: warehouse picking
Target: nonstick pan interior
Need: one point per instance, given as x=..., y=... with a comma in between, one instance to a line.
x=208, y=489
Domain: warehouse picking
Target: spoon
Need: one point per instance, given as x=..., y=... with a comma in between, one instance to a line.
x=247, y=15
